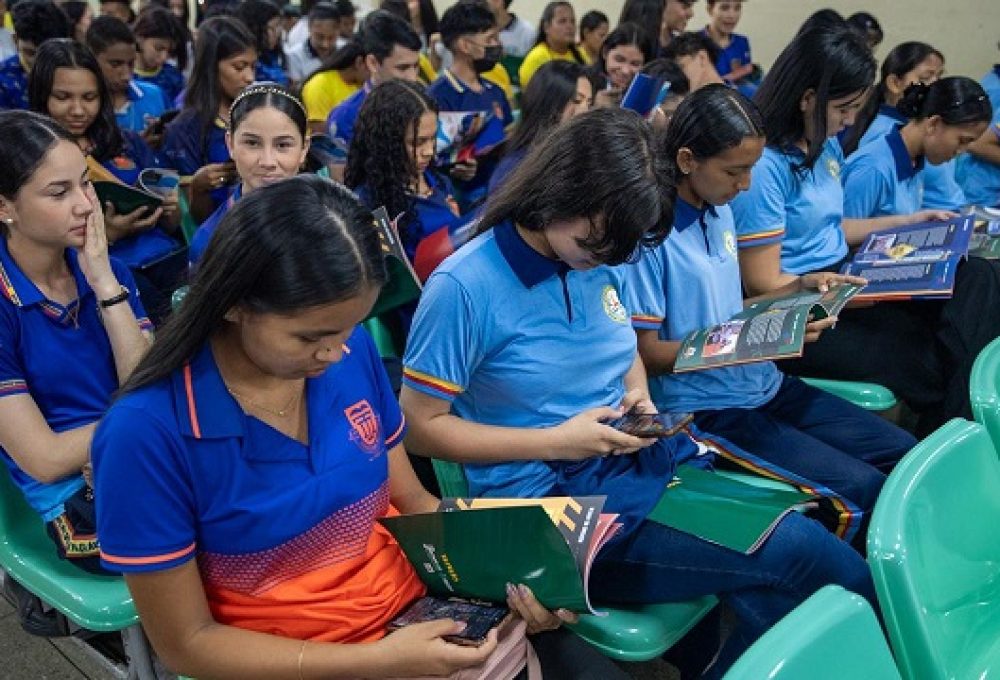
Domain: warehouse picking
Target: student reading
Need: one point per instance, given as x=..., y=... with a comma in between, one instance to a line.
x=791, y=221
x=538, y=351
x=244, y=516
x=692, y=281
x=35, y=21
x=67, y=338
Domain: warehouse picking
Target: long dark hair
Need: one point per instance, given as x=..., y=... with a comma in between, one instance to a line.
x=295, y=244
x=834, y=62
x=152, y=23
x=429, y=22
x=901, y=59
x=542, y=103
x=957, y=100
x=548, y=14
x=647, y=14
x=379, y=156
x=219, y=38
x=626, y=34
x=59, y=53
x=601, y=166
x=255, y=14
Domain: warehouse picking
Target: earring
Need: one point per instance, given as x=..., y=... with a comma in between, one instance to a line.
x=9, y=221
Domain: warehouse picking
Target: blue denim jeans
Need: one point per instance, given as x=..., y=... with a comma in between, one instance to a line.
x=656, y=563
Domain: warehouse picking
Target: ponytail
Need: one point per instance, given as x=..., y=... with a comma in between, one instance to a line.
x=957, y=100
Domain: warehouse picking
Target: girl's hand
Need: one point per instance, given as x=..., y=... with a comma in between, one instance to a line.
x=464, y=171
x=419, y=650
x=610, y=98
x=93, y=254
x=815, y=328
x=588, y=435
x=138, y=220
x=171, y=208
x=824, y=281
x=638, y=399
x=932, y=216
x=522, y=601
x=212, y=176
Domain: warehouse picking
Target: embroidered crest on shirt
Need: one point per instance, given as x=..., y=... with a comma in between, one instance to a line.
x=365, y=426
x=833, y=167
x=730, y=242
x=613, y=307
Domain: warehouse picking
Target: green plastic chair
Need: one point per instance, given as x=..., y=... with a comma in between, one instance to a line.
x=934, y=549
x=96, y=603
x=636, y=633
x=382, y=336
x=188, y=225
x=833, y=635
x=983, y=390
x=868, y=396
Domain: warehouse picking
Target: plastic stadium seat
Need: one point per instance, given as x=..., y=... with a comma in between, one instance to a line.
x=934, y=549
x=984, y=385
x=626, y=634
x=868, y=396
x=833, y=635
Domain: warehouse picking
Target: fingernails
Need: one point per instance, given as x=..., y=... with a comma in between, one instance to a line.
x=460, y=626
x=511, y=591
x=523, y=590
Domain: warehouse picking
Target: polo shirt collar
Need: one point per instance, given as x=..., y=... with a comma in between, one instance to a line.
x=457, y=83
x=905, y=167
x=205, y=409
x=686, y=214
x=22, y=292
x=135, y=92
x=529, y=265
x=891, y=112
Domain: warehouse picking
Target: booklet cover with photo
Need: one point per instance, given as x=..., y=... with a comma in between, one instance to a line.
x=763, y=331
x=985, y=241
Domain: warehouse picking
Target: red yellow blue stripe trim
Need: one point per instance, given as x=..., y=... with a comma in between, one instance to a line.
x=430, y=382
x=761, y=236
x=647, y=321
x=11, y=387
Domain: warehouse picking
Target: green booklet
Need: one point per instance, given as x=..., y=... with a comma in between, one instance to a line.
x=763, y=331
x=124, y=198
x=474, y=547
x=723, y=510
x=403, y=285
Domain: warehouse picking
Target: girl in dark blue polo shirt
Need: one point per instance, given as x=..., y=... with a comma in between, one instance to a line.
x=263, y=18
x=71, y=326
x=194, y=143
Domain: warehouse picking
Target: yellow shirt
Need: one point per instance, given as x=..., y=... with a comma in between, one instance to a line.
x=539, y=55
x=498, y=76
x=324, y=91
x=427, y=72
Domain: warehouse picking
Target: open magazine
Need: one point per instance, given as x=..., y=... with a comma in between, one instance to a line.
x=466, y=135
x=763, y=331
x=917, y=261
x=152, y=186
x=473, y=547
x=985, y=241
x=403, y=285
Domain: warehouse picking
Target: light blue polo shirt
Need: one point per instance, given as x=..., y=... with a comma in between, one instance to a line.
x=691, y=281
x=61, y=357
x=145, y=105
x=991, y=83
x=801, y=210
x=881, y=179
x=980, y=179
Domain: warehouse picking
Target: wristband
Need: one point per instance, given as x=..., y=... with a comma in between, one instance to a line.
x=112, y=301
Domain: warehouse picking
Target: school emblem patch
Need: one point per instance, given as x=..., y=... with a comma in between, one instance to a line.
x=365, y=427
x=613, y=307
x=730, y=242
x=833, y=167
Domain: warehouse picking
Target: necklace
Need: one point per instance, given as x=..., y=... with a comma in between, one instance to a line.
x=281, y=412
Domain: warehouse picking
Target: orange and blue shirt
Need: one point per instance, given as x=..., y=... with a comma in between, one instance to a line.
x=188, y=145
x=168, y=78
x=13, y=84
x=59, y=355
x=285, y=534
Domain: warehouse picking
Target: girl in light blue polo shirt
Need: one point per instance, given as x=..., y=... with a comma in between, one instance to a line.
x=692, y=281
x=521, y=348
x=71, y=326
x=883, y=180
x=979, y=170
x=791, y=222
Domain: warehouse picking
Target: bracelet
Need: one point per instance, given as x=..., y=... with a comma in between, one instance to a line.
x=112, y=301
x=302, y=652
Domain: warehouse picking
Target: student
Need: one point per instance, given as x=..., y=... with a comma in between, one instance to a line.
x=556, y=40
x=267, y=140
x=263, y=18
x=334, y=82
x=136, y=104
x=71, y=326
x=676, y=16
x=791, y=222
x=392, y=50
x=35, y=21
x=625, y=51
x=559, y=91
x=119, y=9
x=264, y=355
x=67, y=85
x=648, y=14
x=991, y=83
x=672, y=75
x=868, y=26
x=884, y=181
x=697, y=55
x=692, y=281
x=307, y=56
x=80, y=15
x=594, y=29
x=734, y=62
x=516, y=35
x=290, y=15
x=431, y=49
x=195, y=142
x=978, y=172
x=348, y=21
x=517, y=384
x=158, y=36
x=469, y=31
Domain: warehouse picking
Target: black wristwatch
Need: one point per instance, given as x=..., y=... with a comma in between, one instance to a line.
x=112, y=301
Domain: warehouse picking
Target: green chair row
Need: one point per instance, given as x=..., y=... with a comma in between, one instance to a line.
x=984, y=390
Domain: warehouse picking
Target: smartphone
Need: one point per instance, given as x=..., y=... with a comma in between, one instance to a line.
x=157, y=126
x=651, y=425
x=479, y=617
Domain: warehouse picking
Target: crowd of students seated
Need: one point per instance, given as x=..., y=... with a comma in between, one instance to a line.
x=234, y=467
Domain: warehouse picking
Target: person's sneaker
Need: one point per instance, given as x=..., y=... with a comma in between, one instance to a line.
x=31, y=613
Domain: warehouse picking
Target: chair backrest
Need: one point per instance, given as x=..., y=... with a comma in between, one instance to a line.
x=934, y=549
x=984, y=390
x=451, y=478
x=18, y=521
x=831, y=636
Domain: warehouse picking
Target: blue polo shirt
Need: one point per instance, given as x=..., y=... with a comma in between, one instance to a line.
x=979, y=179
x=207, y=229
x=529, y=343
x=169, y=79
x=186, y=148
x=271, y=69
x=13, y=84
x=689, y=282
x=340, y=122
x=145, y=105
x=507, y=165
x=801, y=210
x=881, y=179
x=991, y=83
x=734, y=56
x=61, y=357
